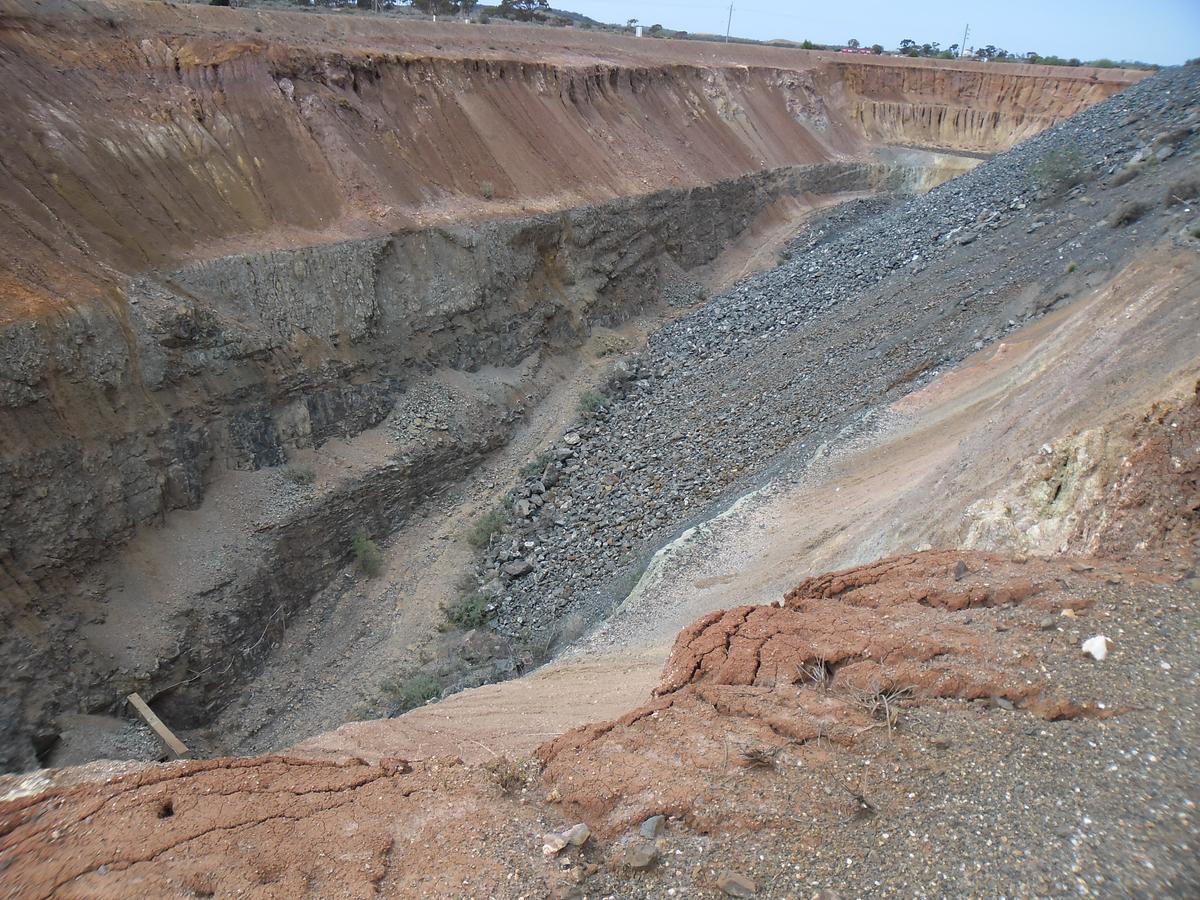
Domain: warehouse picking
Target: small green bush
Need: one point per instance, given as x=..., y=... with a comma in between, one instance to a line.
x=367, y=557
x=488, y=190
x=1128, y=213
x=300, y=474
x=1072, y=266
x=592, y=402
x=468, y=611
x=1060, y=170
x=485, y=526
x=411, y=692
x=537, y=465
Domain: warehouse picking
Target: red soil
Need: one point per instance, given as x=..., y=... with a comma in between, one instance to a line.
x=279, y=826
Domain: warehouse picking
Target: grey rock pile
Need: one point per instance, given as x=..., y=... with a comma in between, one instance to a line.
x=872, y=300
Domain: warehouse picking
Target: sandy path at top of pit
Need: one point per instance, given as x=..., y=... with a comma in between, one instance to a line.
x=499, y=39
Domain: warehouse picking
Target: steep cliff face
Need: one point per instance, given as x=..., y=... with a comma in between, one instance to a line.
x=113, y=413
x=133, y=145
x=115, y=416
x=982, y=108
x=254, y=145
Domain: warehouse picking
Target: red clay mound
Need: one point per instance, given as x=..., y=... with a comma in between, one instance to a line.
x=843, y=655
x=1152, y=506
x=765, y=723
x=879, y=624
x=268, y=827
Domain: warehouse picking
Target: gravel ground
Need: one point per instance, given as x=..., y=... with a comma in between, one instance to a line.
x=971, y=799
x=874, y=300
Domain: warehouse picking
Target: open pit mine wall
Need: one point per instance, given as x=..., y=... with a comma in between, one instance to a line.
x=220, y=251
x=126, y=154
x=115, y=413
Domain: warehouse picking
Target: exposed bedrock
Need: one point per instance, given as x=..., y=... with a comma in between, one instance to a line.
x=983, y=110
x=117, y=413
x=119, y=410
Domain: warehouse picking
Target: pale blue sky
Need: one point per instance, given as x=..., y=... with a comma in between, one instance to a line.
x=1161, y=31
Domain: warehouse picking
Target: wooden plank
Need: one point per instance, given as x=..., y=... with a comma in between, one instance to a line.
x=178, y=747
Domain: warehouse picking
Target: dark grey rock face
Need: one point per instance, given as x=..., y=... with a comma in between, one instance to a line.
x=240, y=359
x=118, y=414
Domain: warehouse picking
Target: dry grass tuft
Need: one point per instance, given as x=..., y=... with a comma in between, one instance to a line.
x=1128, y=213
x=760, y=757
x=817, y=673
x=509, y=775
x=884, y=705
x=1183, y=192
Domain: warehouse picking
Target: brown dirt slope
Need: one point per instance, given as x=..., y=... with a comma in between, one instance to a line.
x=142, y=135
